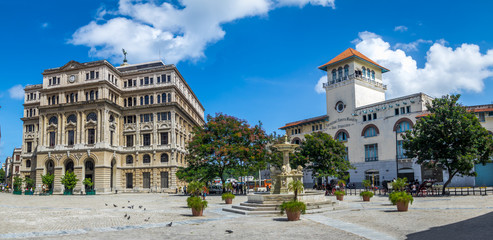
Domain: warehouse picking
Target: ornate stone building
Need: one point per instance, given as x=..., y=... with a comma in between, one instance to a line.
x=360, y=116
x=124, y=127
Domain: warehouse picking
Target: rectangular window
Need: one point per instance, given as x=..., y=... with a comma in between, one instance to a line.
x=71, y=138
x=374, y=116
x=87, y=76
x=147, y=139
x=408, y=109
x=146, y=80
x=148, y=117
x=130, y=178
x=151, y=80
x=141, y=81
x=489, y=113
x=147, y=179
x=97, y=75
x=169, y=78
x=130, y=140
x=396, y=111
x=111, y=138
x=90, y=136
x=371, y=152
x=481, y=117
x=52, y=139
x=313, y=128
x=364, y=118
x=400, y=150
x=403, y=110
x=158, y=79
x=29, y=146
x=92, y=74
x=164, y=179
x=164, y=138
x=369, y=117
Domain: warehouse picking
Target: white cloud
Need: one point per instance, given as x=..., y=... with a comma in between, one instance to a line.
x=45, y=25
x=17, y=92
x=446, y=70
x=319, y=88
x=400, y=28
x=146, y=29
x=412, y=46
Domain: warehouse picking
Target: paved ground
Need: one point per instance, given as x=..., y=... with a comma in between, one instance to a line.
x=88, y=217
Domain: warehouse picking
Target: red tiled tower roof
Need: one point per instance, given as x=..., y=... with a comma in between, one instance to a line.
x=350, y=53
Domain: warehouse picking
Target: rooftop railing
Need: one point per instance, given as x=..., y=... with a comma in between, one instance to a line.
x=356, y=77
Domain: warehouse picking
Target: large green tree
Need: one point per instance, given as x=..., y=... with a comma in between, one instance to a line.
x=449, y=137
x=224, y=145
x=2, y=175
x=326, y=155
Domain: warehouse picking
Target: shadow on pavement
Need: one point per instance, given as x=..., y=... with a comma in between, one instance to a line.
x=280, y=219
x=474, y=228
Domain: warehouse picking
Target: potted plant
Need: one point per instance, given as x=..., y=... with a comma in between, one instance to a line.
x=340, y=195
x=366, y=195
x=29, y=186
x=88, y=185
x=294, y=208
x=197, y=205
x=69, y=180
x=17, y=185
x=402, y=200
x=399, y=197
x=228, y=197
x=48, y=183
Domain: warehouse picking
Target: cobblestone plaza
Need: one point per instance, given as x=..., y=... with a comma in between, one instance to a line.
x=95, y=217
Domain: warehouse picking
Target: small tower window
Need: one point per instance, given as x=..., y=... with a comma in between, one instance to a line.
x=363, y=72
x=373, y=75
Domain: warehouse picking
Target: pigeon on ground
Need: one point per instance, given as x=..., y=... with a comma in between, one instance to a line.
x=169, y=224
x=229, y=231
x=147, y=219
x=144, y=209
x=114, y=205
x=106, y=204
x=132, y=206
x=129, y=207
x=123, y=207
x=140, y=206
x=128, y=217
x=129, y=201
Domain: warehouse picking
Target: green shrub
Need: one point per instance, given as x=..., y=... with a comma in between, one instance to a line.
x=366, y=193
x=293, y=206
x=400, y=197
x=196, y=203
x=69, y=180
x=17, y=183
x=228, y=196
x=48, y=179
x=367, y=183
x=87, y=182
x=29, y=182
x=399, y=184
x=297, y=187
x=228, y=187
x=339, y=193
x=194, y=188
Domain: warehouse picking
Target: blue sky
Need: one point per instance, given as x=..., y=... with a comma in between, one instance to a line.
x=254, y=59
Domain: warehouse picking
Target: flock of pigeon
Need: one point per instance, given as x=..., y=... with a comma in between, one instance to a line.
x=127, y=216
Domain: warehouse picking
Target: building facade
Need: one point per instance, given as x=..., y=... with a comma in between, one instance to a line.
x=370, y=125
x=123, y=127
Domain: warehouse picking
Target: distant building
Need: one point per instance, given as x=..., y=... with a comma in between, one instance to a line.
x=123, y=127
x=370, y=125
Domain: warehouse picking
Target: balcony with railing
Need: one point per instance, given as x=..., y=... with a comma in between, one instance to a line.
x=341, y=79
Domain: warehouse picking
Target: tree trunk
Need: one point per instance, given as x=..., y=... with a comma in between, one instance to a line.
x=223, y=183
x=450, y=176
x=295, y=195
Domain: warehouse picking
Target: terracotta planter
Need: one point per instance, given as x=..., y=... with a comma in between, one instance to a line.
x=402, y=206
x=340, y=197
x=197, y=212
x=293, y=216
x=366, y=198
x=229, y=200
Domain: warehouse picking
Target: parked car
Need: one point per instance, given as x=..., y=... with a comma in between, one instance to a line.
x=215, y=189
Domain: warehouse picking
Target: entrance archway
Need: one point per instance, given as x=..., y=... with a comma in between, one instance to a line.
x=69, y=166
x=89, y=170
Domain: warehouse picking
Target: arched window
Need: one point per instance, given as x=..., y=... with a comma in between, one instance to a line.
x=53, y=120
x=129, y=159
x=112, y=119
x=346, y=71
x=69, y=167
x=72, y=118
x=158, y=98
x=163, y=97
x=164, y=157
x=373, y=75
x=334, y=75
x=339, y=72
x=91, y=95
x=92, y=116
x=28, y=163
x=364, y=72
x=89, y=165
x=368, y=73
x=146, y=158
x=342, y=137
x=53, y=100
x=403, y=126
x=370, y=132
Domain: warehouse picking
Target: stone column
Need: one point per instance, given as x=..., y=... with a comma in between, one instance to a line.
x=57, y=183
x=80, y=175
x=62, y=126
x=83, y=128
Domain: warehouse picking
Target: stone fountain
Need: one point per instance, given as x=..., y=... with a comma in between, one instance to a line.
x=282, y=177
x=268, y=203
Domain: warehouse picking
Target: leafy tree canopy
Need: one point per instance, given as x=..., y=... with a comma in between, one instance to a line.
x=449, y=137
x=2, y=175
x=326, y=155
x=225, y=144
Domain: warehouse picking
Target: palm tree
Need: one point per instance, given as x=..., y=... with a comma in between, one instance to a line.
x=295, y=186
